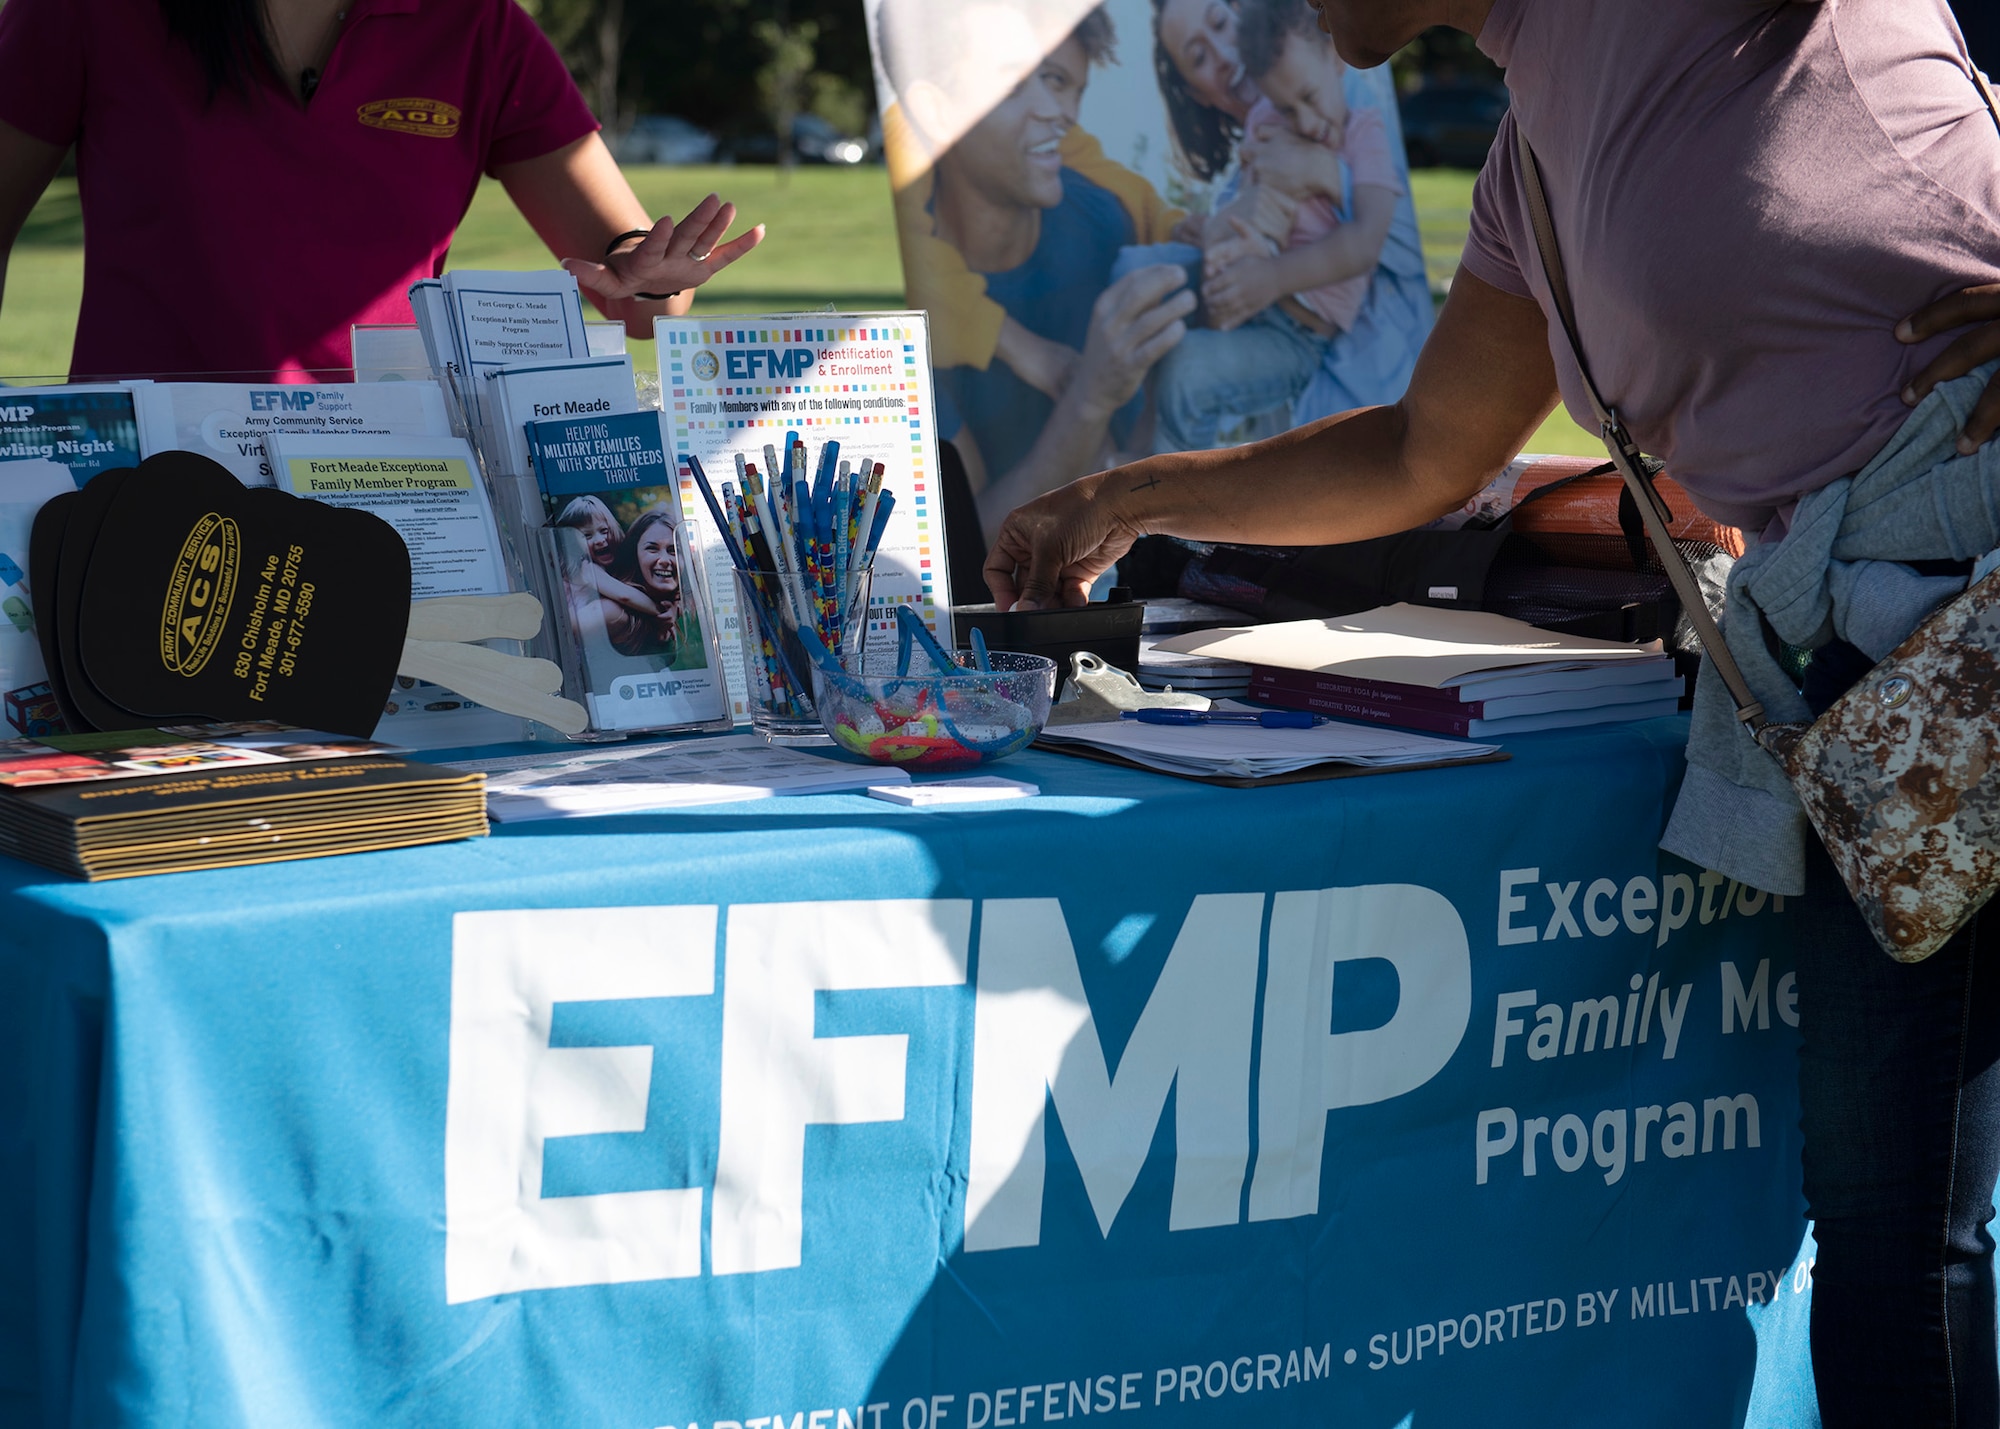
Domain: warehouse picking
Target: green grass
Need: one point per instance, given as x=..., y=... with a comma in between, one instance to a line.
x=831, y=240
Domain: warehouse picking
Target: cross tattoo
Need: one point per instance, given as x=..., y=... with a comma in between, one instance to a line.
x=1148, y=484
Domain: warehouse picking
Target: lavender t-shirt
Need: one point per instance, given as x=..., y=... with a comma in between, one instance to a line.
x=1748, y=197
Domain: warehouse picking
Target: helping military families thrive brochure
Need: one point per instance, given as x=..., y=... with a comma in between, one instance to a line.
x=637, y=611
x=733, y=385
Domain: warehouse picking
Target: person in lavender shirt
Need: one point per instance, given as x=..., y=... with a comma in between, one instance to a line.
x=1781, y=224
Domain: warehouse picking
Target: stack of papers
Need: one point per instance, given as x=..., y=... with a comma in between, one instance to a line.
x=651, y=777
x=1445, y=671
x=1190, y=674
x=1236, y=751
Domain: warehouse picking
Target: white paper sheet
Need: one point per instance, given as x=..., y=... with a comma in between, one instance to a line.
x=1252, y=752
x=630, y=779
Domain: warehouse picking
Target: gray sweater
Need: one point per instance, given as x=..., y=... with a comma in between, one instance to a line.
x=1837, y=573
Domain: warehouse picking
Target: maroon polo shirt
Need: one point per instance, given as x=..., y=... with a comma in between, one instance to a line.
x=248, y=233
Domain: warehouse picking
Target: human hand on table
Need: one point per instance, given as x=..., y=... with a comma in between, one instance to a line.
x=1052, y=550
x=1977, y=309
x=672, y=258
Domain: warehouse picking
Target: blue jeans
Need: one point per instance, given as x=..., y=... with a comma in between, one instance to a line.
x=1215, y=376
x=1899, y=1079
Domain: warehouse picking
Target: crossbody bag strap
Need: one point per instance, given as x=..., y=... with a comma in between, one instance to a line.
x=1624, y=452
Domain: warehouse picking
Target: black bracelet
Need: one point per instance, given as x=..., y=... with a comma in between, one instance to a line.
x=612, y=247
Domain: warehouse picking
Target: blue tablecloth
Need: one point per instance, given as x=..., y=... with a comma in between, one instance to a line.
x=1440, y=1095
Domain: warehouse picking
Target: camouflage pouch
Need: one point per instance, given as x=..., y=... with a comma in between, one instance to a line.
x=1901, y=777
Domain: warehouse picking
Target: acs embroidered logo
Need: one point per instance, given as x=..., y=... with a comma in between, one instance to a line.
x=432, y=118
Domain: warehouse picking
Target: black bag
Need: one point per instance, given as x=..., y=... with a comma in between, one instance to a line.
x=1483, y=565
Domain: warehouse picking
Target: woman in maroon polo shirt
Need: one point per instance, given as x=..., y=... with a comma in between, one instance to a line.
x=259, y=175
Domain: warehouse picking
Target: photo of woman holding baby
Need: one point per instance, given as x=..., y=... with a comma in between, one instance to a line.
x=1144, y=226
x=1310, y=245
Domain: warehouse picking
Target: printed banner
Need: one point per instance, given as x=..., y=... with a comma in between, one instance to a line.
x=1143, y=226
x=1439, y=1094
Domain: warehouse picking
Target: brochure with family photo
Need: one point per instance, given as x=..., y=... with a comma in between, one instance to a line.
x=1086, y=194
x=637, y=622
x=735, y=386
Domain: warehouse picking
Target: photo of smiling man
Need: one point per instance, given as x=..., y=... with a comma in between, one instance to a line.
x=1016, y=224
x=1125, y=244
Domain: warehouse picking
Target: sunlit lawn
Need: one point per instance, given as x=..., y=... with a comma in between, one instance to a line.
x=831, y=241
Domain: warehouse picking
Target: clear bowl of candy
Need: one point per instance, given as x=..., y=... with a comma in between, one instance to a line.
x=935, y=720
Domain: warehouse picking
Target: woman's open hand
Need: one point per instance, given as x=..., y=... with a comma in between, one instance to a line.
x=1978, y=311
x=672, y=258
x=1052, y=550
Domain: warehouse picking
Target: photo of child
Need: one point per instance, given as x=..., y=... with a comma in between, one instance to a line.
x=1143, y=226
x=1274, y=304
x=622, y=577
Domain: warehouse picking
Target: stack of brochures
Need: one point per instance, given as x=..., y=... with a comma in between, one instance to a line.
x=219, y=796
x=1453, y=672
x=1191, y=674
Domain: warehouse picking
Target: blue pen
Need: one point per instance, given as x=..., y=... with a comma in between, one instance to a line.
x=883, y=507
x=1269, y=719
x=766, y=618
x=979, y=650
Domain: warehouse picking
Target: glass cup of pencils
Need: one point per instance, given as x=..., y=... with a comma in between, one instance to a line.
x=778, y=672
x=802, y=540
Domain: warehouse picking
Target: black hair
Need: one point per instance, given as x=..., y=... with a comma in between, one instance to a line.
x=1263, y=27
x=1204, y=137
x=231, y=39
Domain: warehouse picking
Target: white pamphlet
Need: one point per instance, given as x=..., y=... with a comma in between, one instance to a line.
x=732, y=385
x=634, y=779
x=950, y=793
x=230, y=421
x=426, y=487
x=499, y=318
